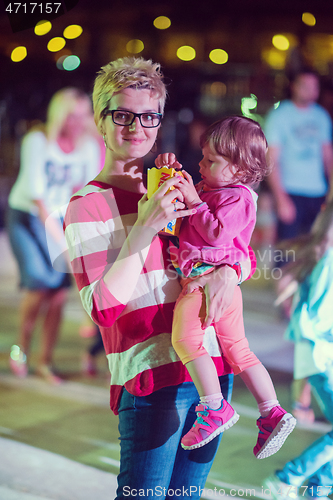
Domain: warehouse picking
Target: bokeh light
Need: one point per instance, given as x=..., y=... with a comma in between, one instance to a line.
x=71, y=62
x=162, y=22
x=247, y=104
x=186, y=53
x=308, y=19
x=280, y=42
x=42, y=27
x=218, y=56
x=72, y=31
x=218, y=89
x=19, y=53
x=135, y=46
x=56, y=44
x=60, y=61
x=59, y=57
x=274, y=58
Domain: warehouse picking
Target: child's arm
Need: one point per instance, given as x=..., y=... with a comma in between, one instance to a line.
x=186, y=186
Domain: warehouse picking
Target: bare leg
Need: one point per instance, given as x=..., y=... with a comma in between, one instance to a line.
x=29, y=310
x=204, y=375
x=259, y=383
x=51, y=327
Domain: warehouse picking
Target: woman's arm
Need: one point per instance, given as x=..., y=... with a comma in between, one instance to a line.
x=153, y=215
x=107, y=275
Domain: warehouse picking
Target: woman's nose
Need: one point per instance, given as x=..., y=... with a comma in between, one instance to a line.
x=135, y=124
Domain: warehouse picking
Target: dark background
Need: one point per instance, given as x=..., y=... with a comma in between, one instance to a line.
x=243, y=28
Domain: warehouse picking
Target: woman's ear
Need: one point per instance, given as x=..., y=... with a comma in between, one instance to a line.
x=100, y=127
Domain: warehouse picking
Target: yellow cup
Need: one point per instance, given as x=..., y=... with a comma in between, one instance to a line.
x=156, y=177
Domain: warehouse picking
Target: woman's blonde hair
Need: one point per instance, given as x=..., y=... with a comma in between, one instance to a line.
x=309, y=248
x=62, y=103
x=127, y=72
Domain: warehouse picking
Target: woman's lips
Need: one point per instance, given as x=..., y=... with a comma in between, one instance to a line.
x=133, y=140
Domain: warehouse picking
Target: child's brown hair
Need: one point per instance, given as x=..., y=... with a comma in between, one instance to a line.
x=243, y=142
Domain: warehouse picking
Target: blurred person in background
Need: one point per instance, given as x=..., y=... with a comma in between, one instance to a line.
x=299, y=135
x=57, y=158
x=310, y=475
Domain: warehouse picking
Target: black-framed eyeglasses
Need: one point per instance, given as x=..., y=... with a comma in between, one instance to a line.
x=126, y=118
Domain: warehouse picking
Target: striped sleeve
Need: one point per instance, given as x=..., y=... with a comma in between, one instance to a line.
x=94, y=234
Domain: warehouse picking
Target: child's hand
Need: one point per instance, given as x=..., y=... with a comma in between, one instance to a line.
x=168, y=160
x=187, y=188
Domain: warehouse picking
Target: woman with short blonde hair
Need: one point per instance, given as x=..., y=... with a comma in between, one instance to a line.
x=57, y=158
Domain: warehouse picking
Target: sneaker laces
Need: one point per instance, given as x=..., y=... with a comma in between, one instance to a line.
x=200, y=419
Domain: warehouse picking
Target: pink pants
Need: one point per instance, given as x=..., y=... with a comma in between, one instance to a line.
x=187, y=334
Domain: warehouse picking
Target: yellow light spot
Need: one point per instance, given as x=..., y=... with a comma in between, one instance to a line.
x=275, y=58
x=308, y=19
x=56, y=44
x=162, y=23
x=135, y=46
x=72, y=31
x=186, y=53
x=218, y=56
x=42, y=27
x=280, y=42
x=18, y=54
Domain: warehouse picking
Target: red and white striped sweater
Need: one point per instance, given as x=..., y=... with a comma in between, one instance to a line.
x=136, y=335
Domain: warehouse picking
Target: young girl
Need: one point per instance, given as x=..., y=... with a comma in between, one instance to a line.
x=234, y=157
x=311, y=329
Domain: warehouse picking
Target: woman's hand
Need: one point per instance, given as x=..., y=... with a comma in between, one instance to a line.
x=219, y=287
x=162, y=207
x=187, y=188
x=168, y=160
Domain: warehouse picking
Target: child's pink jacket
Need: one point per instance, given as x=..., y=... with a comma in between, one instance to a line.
x=221, y=229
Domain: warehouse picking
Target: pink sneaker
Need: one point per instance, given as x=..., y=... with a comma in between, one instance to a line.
x=18, y=362
x=273, y=431
x=208, y=425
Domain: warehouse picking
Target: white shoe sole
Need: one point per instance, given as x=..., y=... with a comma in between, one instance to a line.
x=278, y=436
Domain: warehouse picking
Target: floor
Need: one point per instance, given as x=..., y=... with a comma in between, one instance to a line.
x=61, y=443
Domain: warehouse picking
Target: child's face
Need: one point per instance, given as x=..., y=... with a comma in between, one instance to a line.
x=216, y=170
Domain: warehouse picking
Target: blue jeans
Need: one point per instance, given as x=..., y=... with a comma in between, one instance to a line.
x=152, y=459
x=315, y=464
